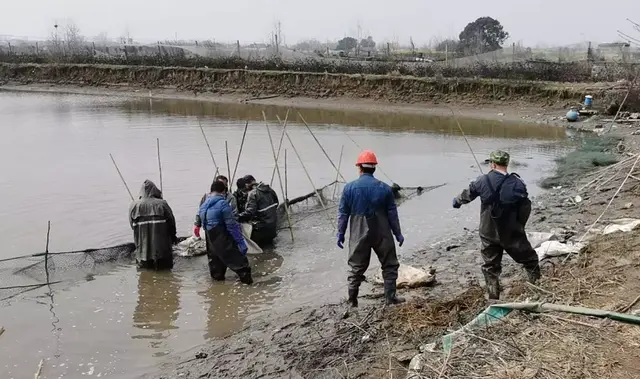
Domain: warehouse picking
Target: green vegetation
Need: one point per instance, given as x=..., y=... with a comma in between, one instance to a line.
x=593, y=152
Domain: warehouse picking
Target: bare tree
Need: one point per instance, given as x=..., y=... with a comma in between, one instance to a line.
x=72, y=37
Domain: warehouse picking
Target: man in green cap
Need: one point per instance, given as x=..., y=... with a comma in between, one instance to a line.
x=504, y=212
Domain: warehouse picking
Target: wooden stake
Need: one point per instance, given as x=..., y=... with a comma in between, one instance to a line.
x=335, y=186
x=235, y=169
x=226, y=149
x=275, y=158
x=39, y=371
x=286, y=189
x=209, y=147
x=321, y=147
x=46, y=252
x=121, y=177
x=311, y=181
x=284, y=129
x=159, y=164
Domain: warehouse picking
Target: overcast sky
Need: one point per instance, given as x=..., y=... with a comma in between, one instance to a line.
x=533, y=22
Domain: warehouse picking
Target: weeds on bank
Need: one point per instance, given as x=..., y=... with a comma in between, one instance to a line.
x=592, y=152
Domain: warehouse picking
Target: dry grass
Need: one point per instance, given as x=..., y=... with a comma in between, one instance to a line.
x=555, y=346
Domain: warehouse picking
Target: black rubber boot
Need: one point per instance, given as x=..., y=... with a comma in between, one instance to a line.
x=390, y=294
x=493, y=286
x=246, y=278
x=533, y=275
x=353, y=297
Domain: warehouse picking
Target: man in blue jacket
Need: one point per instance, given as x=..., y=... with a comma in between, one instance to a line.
x=226, y=247
x=370, y=207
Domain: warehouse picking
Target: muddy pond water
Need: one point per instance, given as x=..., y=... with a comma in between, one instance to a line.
x=120, y=323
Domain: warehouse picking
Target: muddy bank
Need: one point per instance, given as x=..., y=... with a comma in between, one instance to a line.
x=260, y=84
x=374, y=342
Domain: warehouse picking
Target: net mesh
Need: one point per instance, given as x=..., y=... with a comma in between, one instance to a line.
x=24, y=274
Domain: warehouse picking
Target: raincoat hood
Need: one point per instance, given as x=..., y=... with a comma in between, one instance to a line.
x=262, y=187
x=150, y=190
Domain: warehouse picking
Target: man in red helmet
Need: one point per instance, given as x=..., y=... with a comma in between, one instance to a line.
x=370, y=205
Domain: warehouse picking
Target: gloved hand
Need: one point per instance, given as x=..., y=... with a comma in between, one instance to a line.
x=456, y=203
x=341, y=240
x=400, y=239
x=243, y=249
x=196, y=231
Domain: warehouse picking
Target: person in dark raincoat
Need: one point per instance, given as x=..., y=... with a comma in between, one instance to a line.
x=240, y=195
x=504, y=211
x=154, y=228
x=227, y=195
x=226, y=247
x=261, y=211
x=368, y=205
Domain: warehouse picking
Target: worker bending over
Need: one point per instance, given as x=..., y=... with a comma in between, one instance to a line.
x=504, y=211
x=369, y=206
x=154, y=229
x=226, y=247
x=261, y=211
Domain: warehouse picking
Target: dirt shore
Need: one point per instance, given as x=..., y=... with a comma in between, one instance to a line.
x=479, y=97
x=374, y=342
x=512, y=112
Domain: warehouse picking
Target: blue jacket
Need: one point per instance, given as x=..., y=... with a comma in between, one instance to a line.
x=364, y=197
x=216, y=211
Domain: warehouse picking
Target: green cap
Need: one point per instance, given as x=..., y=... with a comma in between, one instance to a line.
x=499, y=157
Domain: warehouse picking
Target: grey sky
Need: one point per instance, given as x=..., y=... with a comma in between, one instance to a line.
x=532, y=22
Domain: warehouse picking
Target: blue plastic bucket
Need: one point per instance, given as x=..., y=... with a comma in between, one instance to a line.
x=588, y=100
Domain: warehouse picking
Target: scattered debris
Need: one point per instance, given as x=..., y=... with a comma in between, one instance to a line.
x=201, y=355
x=621, y=225
x=410, y=277
x=556, y=249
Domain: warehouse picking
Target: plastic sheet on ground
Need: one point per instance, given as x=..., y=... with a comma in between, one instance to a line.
x=621, y=225
x=557, y=249
x=410, y=277
x=538, y=238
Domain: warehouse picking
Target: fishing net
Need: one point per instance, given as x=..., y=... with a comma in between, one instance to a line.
x=22, y=274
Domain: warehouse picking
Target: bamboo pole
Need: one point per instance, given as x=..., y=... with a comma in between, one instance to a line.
x=226, y=149
x=209, y=147
x=159, y=164
x=466, y=140
x=275, y=158
x=311, y=181
x=235, y=169
x=39, y=370
x=286, y=183
x=121, y=177
x=46, y=252
x=284, y=129
x=321, y=147
x=335, y=186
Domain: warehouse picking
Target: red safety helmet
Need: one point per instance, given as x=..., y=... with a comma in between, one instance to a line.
x=367, y=158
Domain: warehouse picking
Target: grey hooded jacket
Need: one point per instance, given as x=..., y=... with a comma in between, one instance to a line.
x=153, y=224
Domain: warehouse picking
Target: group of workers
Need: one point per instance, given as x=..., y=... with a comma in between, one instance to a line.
x=220, y=213
x=367, y=207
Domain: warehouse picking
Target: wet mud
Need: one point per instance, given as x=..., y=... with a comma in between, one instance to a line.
x=374, y=341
